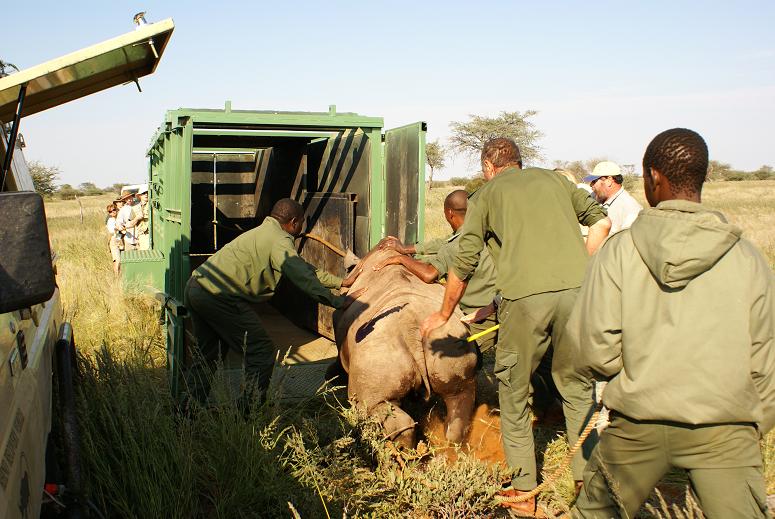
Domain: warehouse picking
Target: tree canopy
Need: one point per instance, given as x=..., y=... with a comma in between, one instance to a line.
x=468, y=137
x=434, y=156
x=44, y=177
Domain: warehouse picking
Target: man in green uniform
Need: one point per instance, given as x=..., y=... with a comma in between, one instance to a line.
x=529, y=221
x=481, y=287
x=247, y=270
x=678, y=313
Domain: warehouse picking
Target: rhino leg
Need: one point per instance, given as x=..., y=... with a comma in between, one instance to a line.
x=460, y=409
x=399, y=426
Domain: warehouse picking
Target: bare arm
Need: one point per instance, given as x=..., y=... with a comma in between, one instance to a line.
x=597, y=234
x=453, y=292
x=424, y=271
x=393, y=243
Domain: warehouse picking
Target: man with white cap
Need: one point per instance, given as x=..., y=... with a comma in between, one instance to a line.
x=606, y=183
x=141, y=215
x=124, y=219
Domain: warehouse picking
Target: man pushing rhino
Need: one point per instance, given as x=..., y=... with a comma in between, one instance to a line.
x=528, y=219
x=247, y=270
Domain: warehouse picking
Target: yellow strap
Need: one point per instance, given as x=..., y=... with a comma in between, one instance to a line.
x=485, y=332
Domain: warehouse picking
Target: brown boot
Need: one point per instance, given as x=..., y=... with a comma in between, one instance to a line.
x=525, y=508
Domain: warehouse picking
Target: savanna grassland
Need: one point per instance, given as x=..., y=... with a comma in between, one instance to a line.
x=316, y=458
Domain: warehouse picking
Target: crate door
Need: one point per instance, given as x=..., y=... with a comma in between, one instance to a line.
x=404, y=177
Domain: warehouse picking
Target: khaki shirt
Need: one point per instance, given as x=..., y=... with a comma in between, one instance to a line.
x=250, y=267
x=141, y=210
x=481, y=287
x=529, y=221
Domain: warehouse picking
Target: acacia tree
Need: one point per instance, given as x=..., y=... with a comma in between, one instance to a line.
x=5, y=67
x=44, y=177
x=468, y=137
x=434, y=156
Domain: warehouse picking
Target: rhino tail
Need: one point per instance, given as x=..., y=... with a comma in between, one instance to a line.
x=422, y=363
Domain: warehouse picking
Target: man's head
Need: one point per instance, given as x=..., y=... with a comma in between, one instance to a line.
x=128, y=198
x=498, y=154
x=606, y=180
x=674, y=166
x=455, y=206
x=142, y=194
x=289, y=214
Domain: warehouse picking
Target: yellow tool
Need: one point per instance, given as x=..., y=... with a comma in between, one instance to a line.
x=481, y=334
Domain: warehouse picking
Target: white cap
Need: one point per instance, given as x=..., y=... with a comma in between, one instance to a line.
x=603, y=169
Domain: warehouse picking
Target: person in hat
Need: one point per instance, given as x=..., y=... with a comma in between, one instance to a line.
x=528, y=220
x=123, y=221
x=606, y=183
x=141, y=216
x=678, y=314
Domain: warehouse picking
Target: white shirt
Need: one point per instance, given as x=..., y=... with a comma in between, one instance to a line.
x=622, y=210
x=111, y=225
x=123, y=218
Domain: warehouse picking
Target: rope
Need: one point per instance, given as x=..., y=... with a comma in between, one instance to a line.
x=328, y=244
x=559, y=470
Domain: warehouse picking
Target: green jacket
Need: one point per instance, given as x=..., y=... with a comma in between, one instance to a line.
x=529, y=221
x=679, y=312
x=430, y=247
x=481, y=287
x=250, y=267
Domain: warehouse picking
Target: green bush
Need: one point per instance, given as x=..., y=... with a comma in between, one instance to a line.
x=475, y=183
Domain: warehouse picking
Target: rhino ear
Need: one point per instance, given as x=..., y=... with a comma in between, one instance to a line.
x=350, y=259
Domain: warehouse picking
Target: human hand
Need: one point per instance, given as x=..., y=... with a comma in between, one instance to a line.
x=479, y=315
x=393, y=260
x=392, y=243
x=352, y=296
x=350, y=279
x=433, y=321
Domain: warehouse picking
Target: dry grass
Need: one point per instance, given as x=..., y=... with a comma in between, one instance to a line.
x=143, y=461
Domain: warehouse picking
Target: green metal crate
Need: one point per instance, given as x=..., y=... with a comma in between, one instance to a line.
x=214, y=174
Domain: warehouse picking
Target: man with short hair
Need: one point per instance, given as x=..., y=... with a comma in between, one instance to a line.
x=481, y=287
x=528, y=219
x=247, y=270
x=678, y=314
x=606, y=183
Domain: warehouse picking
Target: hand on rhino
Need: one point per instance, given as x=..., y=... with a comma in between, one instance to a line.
x=393, y=243
x=351, y=297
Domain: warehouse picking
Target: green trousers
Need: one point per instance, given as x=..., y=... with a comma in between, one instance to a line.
x=220, y=324
x=486, y=342
x=529, y=327
x=723, y=461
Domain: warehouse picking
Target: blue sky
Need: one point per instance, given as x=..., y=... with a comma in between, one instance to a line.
x=605, y=76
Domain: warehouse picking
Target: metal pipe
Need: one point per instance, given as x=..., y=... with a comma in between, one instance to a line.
x=215, y=201
x=14, y=132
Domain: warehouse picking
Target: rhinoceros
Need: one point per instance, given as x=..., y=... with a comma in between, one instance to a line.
x=385, y=357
